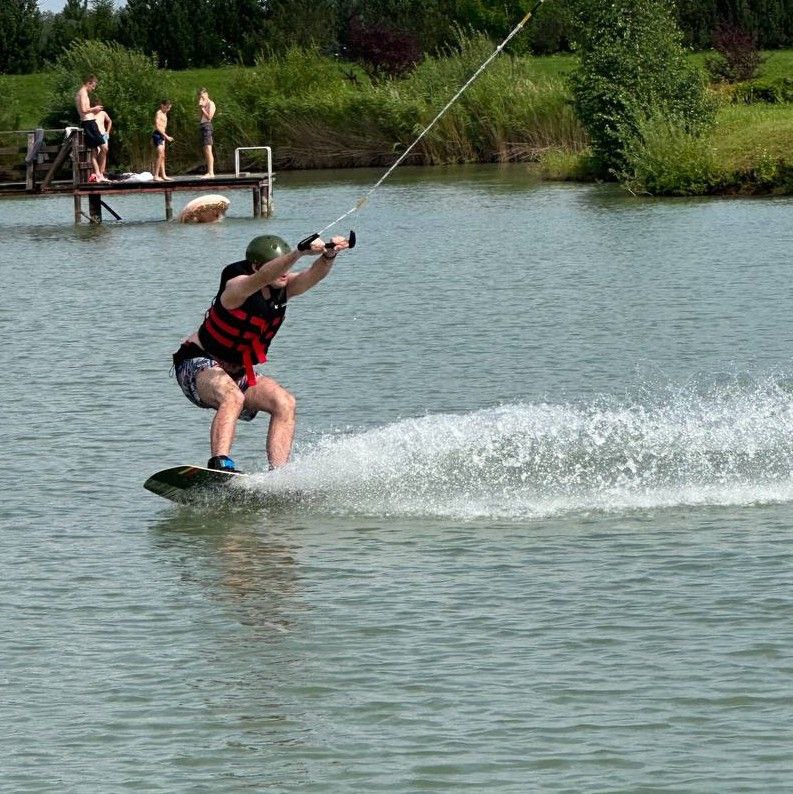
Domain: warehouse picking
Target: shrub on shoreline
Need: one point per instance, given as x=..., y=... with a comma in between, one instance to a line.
x=664, y=159
x=633, y=65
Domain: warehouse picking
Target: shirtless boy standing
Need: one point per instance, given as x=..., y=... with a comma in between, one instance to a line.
x=104, y=124
x=87, y=112
x=206, y=112
x=158, y=138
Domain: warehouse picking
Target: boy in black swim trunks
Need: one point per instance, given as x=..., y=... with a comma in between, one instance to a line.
x=158, y=138
x=87, y=112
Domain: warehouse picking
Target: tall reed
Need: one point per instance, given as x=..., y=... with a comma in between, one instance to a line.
x=317, y=112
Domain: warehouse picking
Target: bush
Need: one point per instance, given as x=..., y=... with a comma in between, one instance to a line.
x=770, y=91
x=130, y=88
x=736, y=58
x=663, y=159
x=381, y=49
x=632, y=65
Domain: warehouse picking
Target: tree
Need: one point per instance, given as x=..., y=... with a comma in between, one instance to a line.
x=20, y=31
x=102, y=21
x=134, y=24
x=70, y=25
x=633, y=68
x=238, y=26
x=320, y=25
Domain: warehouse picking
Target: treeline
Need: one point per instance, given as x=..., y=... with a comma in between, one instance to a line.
x=387, y=36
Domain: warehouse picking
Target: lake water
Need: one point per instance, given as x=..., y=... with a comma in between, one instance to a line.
x=537, y=534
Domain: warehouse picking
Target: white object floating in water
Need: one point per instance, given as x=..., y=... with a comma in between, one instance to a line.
x=204, y=209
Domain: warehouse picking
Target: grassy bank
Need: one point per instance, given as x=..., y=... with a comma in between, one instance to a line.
x=317, y=112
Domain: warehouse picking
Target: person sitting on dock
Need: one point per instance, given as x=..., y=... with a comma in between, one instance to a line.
x=92, y=136
x=158, y=138
x=206, y=112
x=104, y=123
x=214, y=366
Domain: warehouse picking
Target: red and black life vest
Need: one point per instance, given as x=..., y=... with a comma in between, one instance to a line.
x=240, y=337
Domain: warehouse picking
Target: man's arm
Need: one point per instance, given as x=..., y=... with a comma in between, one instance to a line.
x=319, y=269
x=239, y=289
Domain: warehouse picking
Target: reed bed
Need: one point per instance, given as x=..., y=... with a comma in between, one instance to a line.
x=319, y=113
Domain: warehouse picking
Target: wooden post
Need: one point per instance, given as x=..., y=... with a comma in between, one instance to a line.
x=95, y=207
x=30, y=170
x=75, y=159
x=78, y=209
x=82, y=159
x=168, y=205
x=268, y=192
x=257, y=202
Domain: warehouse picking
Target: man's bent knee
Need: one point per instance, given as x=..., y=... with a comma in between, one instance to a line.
x=231, y=397
x=272, y=398
x=285, y=404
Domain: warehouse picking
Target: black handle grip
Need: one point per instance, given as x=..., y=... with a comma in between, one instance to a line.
x=305, y=244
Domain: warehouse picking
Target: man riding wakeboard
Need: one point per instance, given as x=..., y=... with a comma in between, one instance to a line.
x=215, y=365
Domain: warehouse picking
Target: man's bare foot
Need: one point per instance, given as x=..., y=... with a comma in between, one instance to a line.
x=207, y=176
x=168, y=178
x=158, y=179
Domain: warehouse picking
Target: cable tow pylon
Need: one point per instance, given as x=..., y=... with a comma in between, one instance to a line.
x=365, y=198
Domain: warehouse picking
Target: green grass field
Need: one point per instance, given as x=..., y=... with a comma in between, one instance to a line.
x=745, y=133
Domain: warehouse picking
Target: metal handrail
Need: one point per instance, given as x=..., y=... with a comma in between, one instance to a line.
x=252, y=148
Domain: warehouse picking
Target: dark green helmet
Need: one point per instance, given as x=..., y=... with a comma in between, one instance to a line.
x=266, y=247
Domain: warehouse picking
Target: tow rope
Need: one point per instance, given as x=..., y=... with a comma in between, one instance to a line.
x=365, y=198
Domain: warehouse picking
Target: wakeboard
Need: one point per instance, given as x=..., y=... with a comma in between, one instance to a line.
x=186, y=484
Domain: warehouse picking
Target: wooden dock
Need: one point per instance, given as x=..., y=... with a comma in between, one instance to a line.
x=97, y=193
x=51, y=154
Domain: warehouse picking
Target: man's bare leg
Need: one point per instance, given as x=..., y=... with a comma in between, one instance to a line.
x=217, y=389
x=268, y=395
x=210, y=158
x=95, y=165
x=159, y=166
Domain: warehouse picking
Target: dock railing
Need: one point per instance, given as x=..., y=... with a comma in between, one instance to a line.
x=30, y=160
x=267, y=149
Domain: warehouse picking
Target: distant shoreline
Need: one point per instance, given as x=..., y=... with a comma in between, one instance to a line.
x=523, y=116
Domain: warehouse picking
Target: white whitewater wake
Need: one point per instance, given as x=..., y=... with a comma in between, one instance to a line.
x=730, y=445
